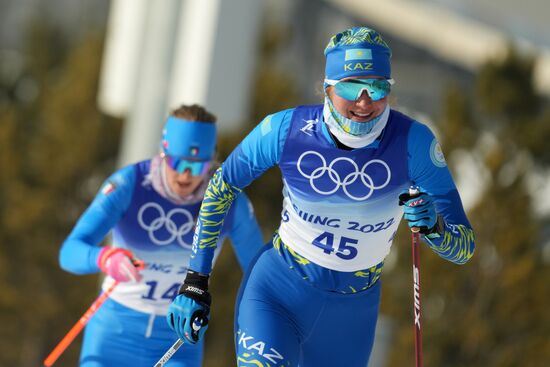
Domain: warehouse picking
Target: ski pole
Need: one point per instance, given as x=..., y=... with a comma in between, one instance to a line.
x=169, y=353
x=416, y=308
x=416, y=287
x=197, y=323
x=77, y=328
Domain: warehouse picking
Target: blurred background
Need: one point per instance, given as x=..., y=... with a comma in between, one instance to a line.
x=85, y=87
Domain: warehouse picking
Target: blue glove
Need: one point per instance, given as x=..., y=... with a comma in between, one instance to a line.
x=419, y=211
x=188, y=313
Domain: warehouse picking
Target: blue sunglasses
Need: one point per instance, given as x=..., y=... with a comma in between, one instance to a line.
x=180, y=165
x=351, y=89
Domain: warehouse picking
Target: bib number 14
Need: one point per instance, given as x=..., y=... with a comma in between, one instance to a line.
x=345, y=249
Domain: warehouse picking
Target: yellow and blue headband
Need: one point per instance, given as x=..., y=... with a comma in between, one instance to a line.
x=358, y=51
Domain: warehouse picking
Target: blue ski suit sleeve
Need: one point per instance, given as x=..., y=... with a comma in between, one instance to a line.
x=245, y=234
x=428, y=170
x=259, y=151
x=80, y=250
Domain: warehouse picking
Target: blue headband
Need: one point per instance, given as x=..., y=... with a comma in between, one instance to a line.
x=189, y=139
x=358, y=51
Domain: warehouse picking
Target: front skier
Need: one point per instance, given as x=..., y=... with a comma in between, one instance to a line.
x=312, y=296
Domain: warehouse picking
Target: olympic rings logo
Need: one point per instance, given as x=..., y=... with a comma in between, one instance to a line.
x=329, y=171
x=165, y=220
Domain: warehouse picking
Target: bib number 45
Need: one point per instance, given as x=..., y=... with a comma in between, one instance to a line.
x=345, y=249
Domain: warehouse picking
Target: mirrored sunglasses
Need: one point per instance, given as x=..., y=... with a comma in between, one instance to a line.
x=352, y=89
x=180, y=165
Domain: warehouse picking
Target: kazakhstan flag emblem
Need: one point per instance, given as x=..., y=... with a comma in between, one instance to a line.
x=358, y=54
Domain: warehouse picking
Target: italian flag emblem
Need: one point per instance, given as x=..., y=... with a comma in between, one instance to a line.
x=108, y=188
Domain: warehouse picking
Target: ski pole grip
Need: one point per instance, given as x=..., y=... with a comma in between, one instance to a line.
x=139, y=264
x=414, y=192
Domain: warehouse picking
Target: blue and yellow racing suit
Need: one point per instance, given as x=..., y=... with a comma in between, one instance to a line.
x=311, y=298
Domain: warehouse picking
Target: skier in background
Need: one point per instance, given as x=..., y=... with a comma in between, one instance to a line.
x=152, y=207
x=311, y=297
